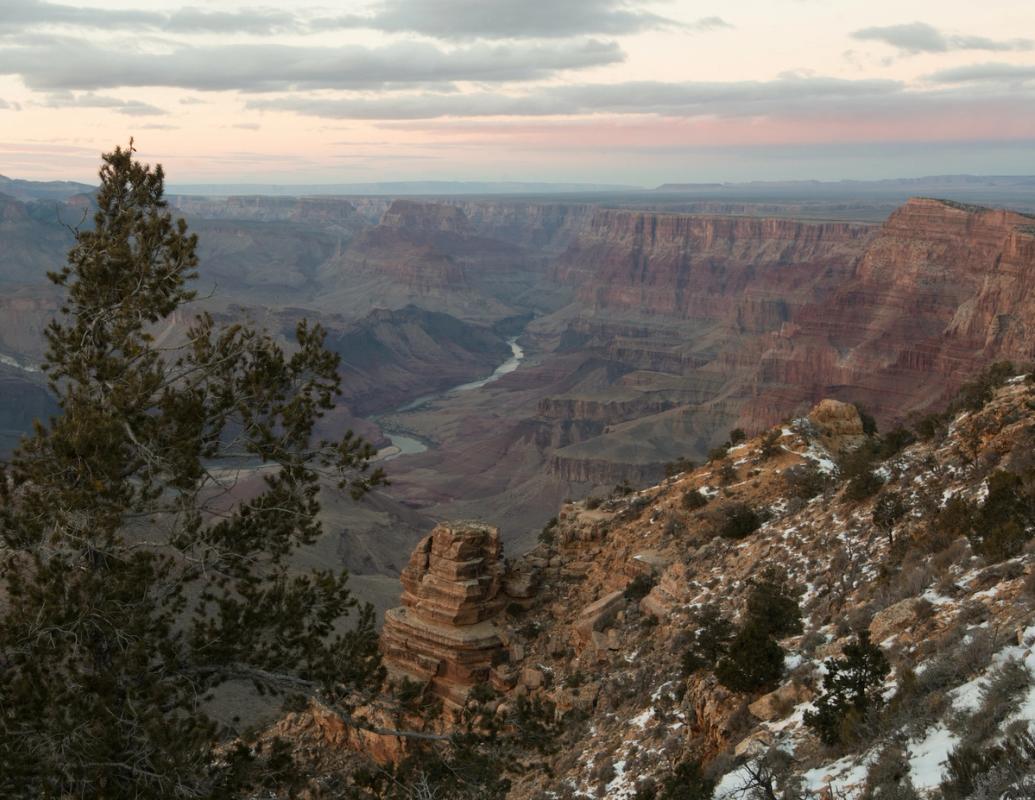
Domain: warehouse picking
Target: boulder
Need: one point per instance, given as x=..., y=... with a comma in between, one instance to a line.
x=893, y=620
x=778, y=703
x=598, y=615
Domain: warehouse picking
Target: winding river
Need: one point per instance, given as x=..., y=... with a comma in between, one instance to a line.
x=404, y=445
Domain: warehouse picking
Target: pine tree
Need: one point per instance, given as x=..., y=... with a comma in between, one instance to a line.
x=133, y=583
x=754, y=661
x=850, y=688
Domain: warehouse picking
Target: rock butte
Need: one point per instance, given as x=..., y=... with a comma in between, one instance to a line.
x=443, y=635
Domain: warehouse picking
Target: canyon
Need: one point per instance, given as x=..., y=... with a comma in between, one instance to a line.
x=647, y=334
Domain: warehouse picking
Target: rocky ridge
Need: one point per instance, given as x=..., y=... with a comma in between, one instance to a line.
x=600, y=642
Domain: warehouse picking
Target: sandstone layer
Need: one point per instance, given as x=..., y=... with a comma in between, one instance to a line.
x=443, y=634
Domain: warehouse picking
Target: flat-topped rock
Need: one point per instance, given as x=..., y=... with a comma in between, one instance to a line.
x=442, y=634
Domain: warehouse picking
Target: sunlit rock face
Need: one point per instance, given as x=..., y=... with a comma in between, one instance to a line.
x=442, y=634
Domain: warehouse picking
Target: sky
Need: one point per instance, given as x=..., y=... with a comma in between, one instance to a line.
x=596, y=91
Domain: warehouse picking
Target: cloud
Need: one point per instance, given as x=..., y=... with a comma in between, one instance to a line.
x=706, y=24
x=506, y=19
x=739, y=98
x=23, y=14
x=132, y=108
x=65, y=64
x=1003, y=73
x=919, y=37
x=442, y=19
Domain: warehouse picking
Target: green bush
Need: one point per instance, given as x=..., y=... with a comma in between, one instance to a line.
x=740, y=521
x=772, y=603
x=681, y=464
x=1004, y=518
x=727, y=473
x=869, y=423
x=547, y=534
x=694, y=499
x=754, y=661
x=639, y=587
x=710, y=640
x=687, y=782
x=737, y=436
x=862, y=486
x=770, y=446
x=850, y=689
x=805, y=481
x=894, y=442
x=718, y=453
x=975, y=394
x=593, y=502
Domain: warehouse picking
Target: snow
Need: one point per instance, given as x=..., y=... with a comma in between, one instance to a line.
x=927, y=756
x=841, y=774
x=620, y=786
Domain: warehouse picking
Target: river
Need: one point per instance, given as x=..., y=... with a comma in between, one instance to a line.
x=404, y=445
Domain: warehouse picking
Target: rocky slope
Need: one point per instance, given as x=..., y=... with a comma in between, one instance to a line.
x=615, y=592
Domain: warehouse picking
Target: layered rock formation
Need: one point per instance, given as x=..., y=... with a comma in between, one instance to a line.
x=443, y=635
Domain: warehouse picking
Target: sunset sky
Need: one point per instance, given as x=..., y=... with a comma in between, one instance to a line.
x=600, y=91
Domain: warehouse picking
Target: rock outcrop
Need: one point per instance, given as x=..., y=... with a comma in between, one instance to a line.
x=443, y=634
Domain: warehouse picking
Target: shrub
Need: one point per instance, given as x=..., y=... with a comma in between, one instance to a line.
x=894, y=442
x=770, y=446
x=687, y=782
x=930, y=425
x=869, y=423
x=737, y=436
x=863, y=485
x=593, y=502
x=681, y=464
x=888, y=510
x=849, y=688
x=534, y=723
x=888, y=777
x=1000, y=771
x=694, y=499
x=975, y=394
x=639, y=587
x=710, y=640
x=1003, y=519
x=741, y=520
x=547, y=534
x=727, y=473
x=773, y=603
x=754, y=661
x=718, y=453
x=805, y=481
